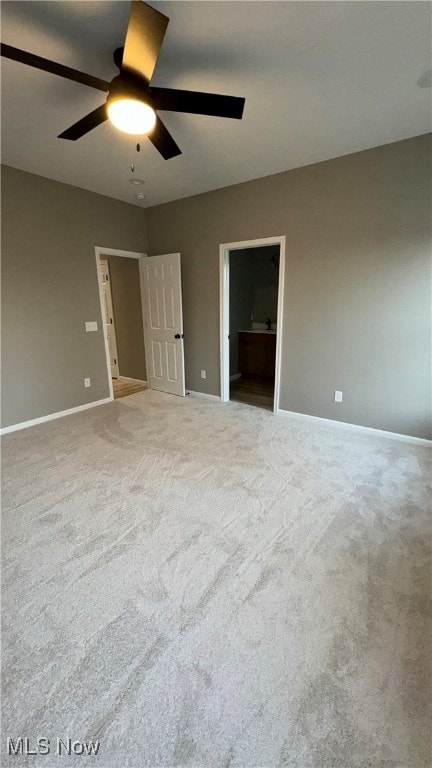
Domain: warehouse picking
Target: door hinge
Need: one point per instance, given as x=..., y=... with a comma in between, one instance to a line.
x=111, y=320
x=115, y=361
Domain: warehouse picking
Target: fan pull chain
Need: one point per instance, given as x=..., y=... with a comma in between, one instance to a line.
x=138, y=149
x=132, y=165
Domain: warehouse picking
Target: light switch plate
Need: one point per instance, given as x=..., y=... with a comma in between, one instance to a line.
x=338, y=396
x=92, y=326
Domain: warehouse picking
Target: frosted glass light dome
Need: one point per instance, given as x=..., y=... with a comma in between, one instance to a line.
x=132, y=116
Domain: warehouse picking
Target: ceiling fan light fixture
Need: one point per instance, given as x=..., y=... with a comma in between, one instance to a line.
x=131, y=116
x=132, y=101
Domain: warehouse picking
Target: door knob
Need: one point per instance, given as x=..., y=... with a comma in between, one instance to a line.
x=179, y=336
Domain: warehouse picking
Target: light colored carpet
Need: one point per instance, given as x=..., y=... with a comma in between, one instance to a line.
x=206, y=585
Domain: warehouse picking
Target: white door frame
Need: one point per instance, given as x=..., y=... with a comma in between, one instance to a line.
x=100, y=252
x=224, y=251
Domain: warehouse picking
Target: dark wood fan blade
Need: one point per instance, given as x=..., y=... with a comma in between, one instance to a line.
x=9, y=52
x=197, y=103
x=144, y=37
x=86, y=124
x=161, y=138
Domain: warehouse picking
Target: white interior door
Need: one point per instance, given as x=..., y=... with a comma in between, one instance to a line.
x=163, y=314
x=109, y=317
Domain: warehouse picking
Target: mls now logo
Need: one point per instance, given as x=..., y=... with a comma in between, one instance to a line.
x=22, y=746
x=43, y=746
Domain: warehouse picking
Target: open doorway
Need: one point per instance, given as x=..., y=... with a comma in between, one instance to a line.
x=252, y=275
x=119, y=281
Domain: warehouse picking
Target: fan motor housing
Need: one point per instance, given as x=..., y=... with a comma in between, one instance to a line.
x=126, y=86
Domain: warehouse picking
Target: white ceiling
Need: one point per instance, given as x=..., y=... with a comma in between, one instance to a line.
x=321, y=80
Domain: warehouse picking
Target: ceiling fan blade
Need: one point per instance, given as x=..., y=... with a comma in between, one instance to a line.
x=144, y=37
x=161, y=138
x=197, y=103
x=9, y=52
x=86, y=124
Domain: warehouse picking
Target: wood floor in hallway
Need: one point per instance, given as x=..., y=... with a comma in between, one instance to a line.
x=124, y=386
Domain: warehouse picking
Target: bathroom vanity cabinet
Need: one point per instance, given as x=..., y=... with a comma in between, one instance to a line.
x=257, y=353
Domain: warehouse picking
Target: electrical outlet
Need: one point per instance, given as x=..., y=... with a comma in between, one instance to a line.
x=87, y=383
x=203, y=374
x=338, y=396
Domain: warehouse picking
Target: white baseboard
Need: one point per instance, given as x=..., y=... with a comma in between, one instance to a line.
x=235, y=376
x=356, y=427
x=52, y=416
x=203, y=394
x=129, y=378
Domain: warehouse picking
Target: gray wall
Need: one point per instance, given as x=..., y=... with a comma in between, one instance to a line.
x=357, y=290
x=266, y=281
x=253, y=283
x=50, y=288
x=126, y=296
x=241, y=301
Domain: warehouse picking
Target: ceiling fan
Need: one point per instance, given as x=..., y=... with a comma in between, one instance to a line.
x=132, y=103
